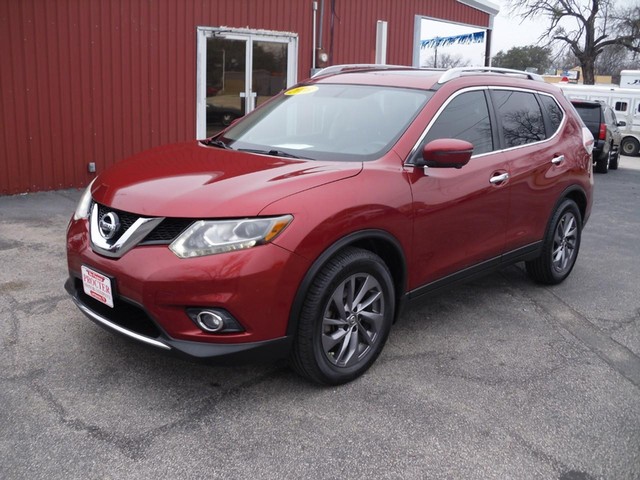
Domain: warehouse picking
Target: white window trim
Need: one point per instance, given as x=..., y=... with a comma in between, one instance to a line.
x=248, y=35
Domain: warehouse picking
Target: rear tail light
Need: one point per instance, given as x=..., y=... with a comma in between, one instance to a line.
x=602, y=134
x=587, y=140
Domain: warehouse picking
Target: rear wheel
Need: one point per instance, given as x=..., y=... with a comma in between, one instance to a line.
x=630, y=146
x=615, y=157
x=345, y=319
x=602, y=164
x=561, y=246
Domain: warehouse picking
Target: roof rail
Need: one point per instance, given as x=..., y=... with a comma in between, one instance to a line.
x=460, y=71
x=335, y=69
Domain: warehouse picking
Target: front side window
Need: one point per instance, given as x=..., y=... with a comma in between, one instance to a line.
x=466, y=117
x=330, y=122
x=521, y=117
x=609, y=116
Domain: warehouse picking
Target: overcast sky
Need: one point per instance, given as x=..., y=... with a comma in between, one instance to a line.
x=509, y=31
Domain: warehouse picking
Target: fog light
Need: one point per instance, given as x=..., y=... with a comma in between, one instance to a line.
x=214, y=320
x=210, y=321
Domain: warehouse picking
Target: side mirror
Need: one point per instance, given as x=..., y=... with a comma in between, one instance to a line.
x=446, y=153
x=621, y=124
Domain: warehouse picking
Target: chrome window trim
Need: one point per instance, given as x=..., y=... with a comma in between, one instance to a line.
x=413, y=151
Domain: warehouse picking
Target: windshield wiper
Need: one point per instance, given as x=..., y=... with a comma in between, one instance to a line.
x=273, y=153
x=217, y=143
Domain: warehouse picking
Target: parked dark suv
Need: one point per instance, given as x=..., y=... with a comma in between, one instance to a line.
x=601, y=122
x=301, y=230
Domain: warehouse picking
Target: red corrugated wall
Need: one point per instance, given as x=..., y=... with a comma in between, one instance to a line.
x=98, y=80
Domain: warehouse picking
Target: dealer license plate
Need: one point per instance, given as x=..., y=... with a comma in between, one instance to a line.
x=97, y=286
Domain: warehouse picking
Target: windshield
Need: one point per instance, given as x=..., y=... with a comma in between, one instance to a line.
x=329, y=122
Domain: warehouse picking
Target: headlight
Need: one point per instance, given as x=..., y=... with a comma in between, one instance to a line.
x=208, y=237
x=82, y=210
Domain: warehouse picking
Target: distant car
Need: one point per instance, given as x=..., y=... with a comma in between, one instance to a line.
x=223, y=115
x=601, y=122
x=302, y=229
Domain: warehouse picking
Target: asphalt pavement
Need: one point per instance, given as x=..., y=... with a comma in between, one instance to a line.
x=499, y=378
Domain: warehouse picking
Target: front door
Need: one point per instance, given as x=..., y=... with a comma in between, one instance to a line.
x=239, y=70
x=460, y=216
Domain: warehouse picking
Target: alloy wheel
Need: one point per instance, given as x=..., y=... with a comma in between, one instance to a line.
x=352, y=320
x=564, y=242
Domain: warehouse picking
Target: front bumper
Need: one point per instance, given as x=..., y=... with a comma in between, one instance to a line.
x=153, y=290
x=225, y=353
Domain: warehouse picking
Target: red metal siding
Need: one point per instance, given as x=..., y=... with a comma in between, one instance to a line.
x=96, y=81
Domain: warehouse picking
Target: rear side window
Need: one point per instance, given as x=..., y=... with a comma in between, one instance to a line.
x=553, y=111
x=466, y=117
x=521, y=117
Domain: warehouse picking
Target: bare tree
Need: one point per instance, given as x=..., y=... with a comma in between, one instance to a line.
x=586, y=27
x=613, y=59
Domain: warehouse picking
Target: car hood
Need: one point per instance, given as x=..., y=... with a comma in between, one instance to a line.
x=195, y=181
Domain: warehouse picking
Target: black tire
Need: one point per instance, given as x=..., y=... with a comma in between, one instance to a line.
x=630, y=146
x=602, y=164
x=227, y=119
x=615, y=158
x=336, y=340
x=560, y=247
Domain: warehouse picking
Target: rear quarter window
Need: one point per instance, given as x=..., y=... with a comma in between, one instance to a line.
x=553, y=112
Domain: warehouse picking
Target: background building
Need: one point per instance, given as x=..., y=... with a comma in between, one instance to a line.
x=84, y=84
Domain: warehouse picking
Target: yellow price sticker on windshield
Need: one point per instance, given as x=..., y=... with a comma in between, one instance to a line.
x=301, y=90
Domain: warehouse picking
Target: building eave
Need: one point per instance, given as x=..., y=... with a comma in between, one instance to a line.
x=482, y=5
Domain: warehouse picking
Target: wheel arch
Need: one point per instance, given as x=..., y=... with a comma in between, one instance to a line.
x=579, y=196
x=380, y=242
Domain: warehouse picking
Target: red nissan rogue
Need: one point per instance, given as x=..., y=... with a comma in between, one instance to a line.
x=302, y=229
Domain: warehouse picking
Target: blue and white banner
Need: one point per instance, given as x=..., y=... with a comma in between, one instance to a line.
x=465, y=39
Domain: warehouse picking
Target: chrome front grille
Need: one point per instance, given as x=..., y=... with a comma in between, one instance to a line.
x=130, y=230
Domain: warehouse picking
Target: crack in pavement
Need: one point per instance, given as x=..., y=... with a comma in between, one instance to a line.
x=135, y=447
x=617, y=356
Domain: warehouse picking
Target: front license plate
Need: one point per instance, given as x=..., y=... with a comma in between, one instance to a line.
x=97, y=286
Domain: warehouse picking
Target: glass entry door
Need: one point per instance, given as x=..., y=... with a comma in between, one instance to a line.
x=238, y=71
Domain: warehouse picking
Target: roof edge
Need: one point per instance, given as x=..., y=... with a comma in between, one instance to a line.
x=482, y=5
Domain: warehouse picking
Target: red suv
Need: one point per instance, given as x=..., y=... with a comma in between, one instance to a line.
x=302, y=229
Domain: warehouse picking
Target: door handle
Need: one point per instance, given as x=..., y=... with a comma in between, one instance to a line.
x=557, y=160
x=499, y=178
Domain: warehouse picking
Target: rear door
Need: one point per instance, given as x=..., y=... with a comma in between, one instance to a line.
x=539, y=146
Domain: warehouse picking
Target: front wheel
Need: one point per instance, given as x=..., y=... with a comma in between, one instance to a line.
x=560, y=247
x=345, y=319
x=630, y=146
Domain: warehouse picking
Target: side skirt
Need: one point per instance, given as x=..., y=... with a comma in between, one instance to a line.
x=528, y=252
